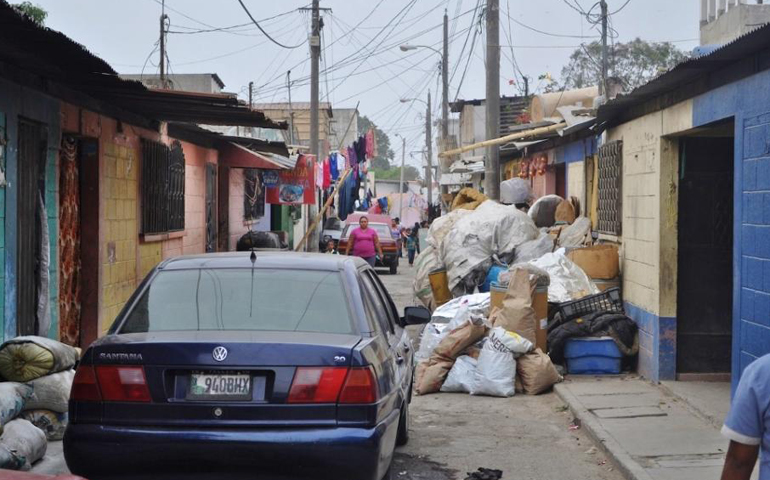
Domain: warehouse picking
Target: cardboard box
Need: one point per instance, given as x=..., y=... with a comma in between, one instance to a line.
x=599, y=261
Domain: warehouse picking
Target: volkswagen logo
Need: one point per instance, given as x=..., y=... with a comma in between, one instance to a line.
x=219, y=354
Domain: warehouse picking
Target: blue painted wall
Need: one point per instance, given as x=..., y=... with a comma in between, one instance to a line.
x=657, y=344
x=748, y=102
x=17, y=101
x=576, y=151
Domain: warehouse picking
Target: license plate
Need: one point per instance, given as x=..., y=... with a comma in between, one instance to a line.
x=212, y=386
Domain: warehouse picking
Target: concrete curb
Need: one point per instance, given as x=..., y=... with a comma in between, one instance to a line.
x=622, y=460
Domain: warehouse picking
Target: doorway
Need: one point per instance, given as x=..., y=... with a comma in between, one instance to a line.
x=705, y=252
x=32, y=257
x=212, y=229
x=561, y=180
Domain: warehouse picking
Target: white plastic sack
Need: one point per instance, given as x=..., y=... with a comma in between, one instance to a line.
x=434, y=332
x=462, y=375
x=542, y=212
x=496, y=369
x=575, y=234
x=477, y=304
x=491, y=229
x=568, y=281
x=51, y=392
x=534, y=249
x=51, y=423
x=515, y=190
x=13, y=399
x=442, y=225
x=25, y=440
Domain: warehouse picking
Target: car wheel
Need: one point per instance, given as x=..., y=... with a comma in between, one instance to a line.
x=389, y=474
x=394, y=268
x=402, y=437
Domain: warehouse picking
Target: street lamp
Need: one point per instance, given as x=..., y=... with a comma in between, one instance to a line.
x=428, y=144
x=406, y=47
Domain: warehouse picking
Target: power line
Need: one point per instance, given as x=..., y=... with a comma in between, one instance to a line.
x=288, y=47
x=621, y=8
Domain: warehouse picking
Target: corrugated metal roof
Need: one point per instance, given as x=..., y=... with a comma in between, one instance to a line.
x=689, y=71
x=54, y=59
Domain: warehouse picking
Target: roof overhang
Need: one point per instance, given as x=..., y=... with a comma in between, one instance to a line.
x=238, y=156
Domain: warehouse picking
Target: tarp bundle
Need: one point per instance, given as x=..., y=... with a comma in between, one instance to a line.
x=26, y=358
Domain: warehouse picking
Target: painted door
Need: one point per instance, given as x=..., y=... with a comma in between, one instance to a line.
x=705, y=283
x=211, y=208
x=31, y=187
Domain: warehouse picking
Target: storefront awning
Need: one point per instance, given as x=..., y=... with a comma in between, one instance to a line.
x=238, y=156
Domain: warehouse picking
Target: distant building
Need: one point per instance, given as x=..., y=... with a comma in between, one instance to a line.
x=722, y=22
x=298, y=115
x=343, y=128
x=187, y=82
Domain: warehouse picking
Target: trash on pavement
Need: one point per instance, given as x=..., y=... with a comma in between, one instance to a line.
x=598, y=261
x=458, y=339
x=543, y=211
x=26, y=358
x=537, y=372
x=496, y=368
x=577, y=234
x=25, y=441
x=565, y=213
x=13, y=398
x=427, y=262
x=485, y=474
x=515, y=191
x=430, y=375
x=534, y=249
x=517, y=314
x=477, y=303
x=618, y=326
x=439, y=287
x=469, y=199
x=567, y=280
x=593, y=356
x=461, y=376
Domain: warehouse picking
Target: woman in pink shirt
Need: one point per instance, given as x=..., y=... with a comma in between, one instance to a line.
x=364, y=242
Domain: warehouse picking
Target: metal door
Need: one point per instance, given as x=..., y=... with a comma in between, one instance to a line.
x=704, y=295
x=211, y=207
x=31, y=185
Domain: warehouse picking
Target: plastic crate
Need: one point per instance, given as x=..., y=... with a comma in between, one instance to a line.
x=593, y=356
x=607, y=301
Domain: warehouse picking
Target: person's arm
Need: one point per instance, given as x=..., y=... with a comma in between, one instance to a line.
x=351, y=241
x=377, y=245
x=740, y=461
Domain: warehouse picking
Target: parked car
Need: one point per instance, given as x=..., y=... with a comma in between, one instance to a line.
x=247, y=364
x=332, y=231
x=16, y=475
x=381, y=225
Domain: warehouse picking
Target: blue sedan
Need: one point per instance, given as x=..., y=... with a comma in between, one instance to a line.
x=247, y=365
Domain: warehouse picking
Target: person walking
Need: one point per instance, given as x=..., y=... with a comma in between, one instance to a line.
x=395, y=232
x=364, y=242
x=412, y=245
x=747, y=426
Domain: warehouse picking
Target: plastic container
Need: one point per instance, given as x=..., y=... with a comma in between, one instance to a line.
x=593, y=356
x=492, y=274
x=607, y=301
x=439, y=284
x=497, y=294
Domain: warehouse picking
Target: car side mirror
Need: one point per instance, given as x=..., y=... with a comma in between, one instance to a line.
x=416, y=316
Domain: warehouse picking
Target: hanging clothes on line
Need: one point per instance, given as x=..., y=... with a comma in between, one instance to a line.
x=334, y=171
x=370, y=143
x=327, y=173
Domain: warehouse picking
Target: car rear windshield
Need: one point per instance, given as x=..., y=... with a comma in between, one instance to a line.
x=383, y=231
x=242, y=299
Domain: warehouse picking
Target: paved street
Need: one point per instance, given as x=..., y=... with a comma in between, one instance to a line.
x=526, y=437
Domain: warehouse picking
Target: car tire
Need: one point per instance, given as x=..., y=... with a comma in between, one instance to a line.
x=402, y=437
x=389, y=474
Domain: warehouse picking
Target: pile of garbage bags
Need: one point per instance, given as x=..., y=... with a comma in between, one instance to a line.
x=37, y=375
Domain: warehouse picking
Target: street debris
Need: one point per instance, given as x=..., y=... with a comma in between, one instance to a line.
x=35, y=399
x=485, y=474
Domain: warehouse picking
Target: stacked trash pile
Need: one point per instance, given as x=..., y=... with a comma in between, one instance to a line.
x=554, y=294
x=37, y=376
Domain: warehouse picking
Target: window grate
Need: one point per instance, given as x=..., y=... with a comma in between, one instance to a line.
x=163, y=187
x=253, y=194
x=610, y=209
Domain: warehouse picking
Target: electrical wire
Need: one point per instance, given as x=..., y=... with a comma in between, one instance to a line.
x=288, y=47
x=621, y=8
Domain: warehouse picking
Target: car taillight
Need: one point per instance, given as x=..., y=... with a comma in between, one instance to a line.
x=122, y=384
x=317, y=384
x=84, y=386
x=360, y=386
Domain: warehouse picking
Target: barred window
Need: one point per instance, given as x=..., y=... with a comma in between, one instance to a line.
x=610, y=209
x=163, y=178
x=253, y=194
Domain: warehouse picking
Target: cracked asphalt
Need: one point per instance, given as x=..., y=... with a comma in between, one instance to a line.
x=527, y=437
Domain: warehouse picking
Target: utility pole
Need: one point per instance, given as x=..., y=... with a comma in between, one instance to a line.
x=429, y=147
x=163, y=18
x=401, y=181
x=603, y=84
x=315, y=55
x=445, y=96
x=492, y=164
x=526, y=85
x=291, y=110
x=251, y=95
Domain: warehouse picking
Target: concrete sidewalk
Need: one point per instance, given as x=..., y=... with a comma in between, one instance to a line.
x=647, y=432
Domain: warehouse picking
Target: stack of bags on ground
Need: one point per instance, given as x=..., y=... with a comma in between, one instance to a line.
x=485, y=352
x=480, y=242
x=37, y=376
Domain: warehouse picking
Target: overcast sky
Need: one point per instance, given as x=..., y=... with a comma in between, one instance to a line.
x=361, y=39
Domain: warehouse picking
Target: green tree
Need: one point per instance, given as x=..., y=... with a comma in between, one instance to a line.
x=385, y=153
x=394, y=173
x=633, y=63
x=34, y=12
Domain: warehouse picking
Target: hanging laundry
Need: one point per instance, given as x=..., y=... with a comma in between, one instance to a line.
x=370, y=143
x=360, y=148
x=383, y=203
x=327, y=173
x=352, y=160
x=334, y=167
x=342, y=163
x=319, y=174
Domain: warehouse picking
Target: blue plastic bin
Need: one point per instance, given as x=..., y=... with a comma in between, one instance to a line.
x=592, y=356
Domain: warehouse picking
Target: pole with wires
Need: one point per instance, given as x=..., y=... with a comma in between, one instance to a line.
x=315, y=54
x=429, y=148
x=401, y=180
x=163, y=18
x=492, y=164
x=251, y=95
x=444, y=96
x=603, y=83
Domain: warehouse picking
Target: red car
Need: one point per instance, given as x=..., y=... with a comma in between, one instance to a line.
x=381, y=225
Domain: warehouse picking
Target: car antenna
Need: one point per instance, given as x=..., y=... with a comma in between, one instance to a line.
x=253, y=263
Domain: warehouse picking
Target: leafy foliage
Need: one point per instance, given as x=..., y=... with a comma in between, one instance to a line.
x=633, y=63
x=385, y=153
x=394, y=173
x=35, y=12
